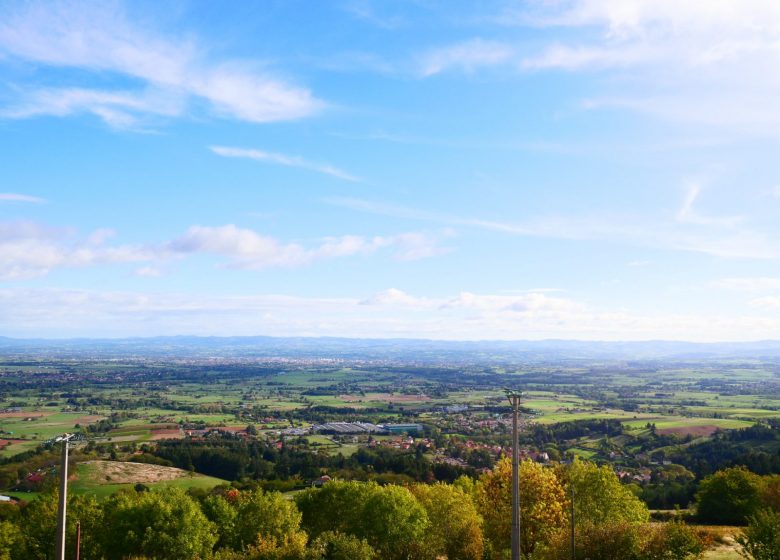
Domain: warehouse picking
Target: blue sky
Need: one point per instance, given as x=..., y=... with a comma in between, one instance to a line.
x=590, y=169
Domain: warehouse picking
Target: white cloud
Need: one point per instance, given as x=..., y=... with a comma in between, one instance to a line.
x=714, y=236
x=393, y=313
x=395, y=297
x=525, y=303
x=687, y=213
x=29, y=250
x=701, y=61
x=16, y=197
x=101, y=38
x=581, y=57
x=248, y=249
x=119, y=109
x=750, y=284
x=148, y=272
x=282, y=159
x=767, y=303
x=467, y=56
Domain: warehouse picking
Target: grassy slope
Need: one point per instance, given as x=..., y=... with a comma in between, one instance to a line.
x=90, y=480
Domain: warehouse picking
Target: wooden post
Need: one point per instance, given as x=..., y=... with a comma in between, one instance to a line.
x=573, y=543
x=78, y=540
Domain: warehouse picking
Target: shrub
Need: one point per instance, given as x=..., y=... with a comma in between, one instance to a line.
x=603, y=541
x=761, y=539
x=672, y=541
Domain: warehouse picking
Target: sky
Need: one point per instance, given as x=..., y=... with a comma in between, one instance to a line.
x=493, y=169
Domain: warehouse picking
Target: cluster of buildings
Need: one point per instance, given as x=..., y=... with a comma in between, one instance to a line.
x=356, y=428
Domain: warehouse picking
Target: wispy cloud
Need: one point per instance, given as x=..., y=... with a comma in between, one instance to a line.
x=282, y=159
x=30, y=250
x=102, y=38
x=247, y=249
x=688, y=214
x=365, y=10
x=712, y=236
x=749, y=284
x=467, y=56
x=769, y=302
x=16, y=197
x=705, y=62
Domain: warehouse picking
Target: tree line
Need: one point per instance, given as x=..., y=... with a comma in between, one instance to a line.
x=351, y=520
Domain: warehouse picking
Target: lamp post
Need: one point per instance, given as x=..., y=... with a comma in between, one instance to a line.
x=514, y=398
x=61, y=511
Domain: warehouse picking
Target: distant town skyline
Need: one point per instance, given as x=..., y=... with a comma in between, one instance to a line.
x=499, y=170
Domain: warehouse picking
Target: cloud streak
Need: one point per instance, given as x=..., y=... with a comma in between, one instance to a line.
x=16, y=197
x=30, y=250
x=693, y=233
x=174, y=71
x=282, y=159
x=247, y=249
x=389, y=314
x=467, y=56
x=705, y=62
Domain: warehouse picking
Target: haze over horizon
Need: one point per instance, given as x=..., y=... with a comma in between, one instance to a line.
x=511, y=170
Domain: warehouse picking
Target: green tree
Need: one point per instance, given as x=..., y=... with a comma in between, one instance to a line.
x=729, y=497
x=224, y=516
x=164, y=524
x=10, y=539
x=389, y=518
x=599, y=497
x=395, y=524
x=265, y=516
x=454, y=529
x=38, y=526
x=332, y=545
x=761, y=539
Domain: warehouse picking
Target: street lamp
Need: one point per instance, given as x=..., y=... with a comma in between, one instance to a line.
x=60, y=550
x=514, y=398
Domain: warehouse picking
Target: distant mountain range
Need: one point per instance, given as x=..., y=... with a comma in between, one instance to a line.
x=421, y=351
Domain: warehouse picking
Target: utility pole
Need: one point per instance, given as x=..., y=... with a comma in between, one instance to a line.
x=514, y=398
x=61, y=512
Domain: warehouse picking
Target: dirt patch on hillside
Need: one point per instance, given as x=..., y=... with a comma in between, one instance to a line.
x=88, y=419
x=695, y=431
x=24, y=414
x=115, y=472
x=167, y=433
x=385, y=397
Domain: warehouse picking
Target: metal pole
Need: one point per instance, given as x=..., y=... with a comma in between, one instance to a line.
x=78, y=540
x=514, y=398
x=573, y=547
x=60, y=550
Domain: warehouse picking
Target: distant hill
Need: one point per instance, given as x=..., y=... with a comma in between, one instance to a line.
x=414, y=350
